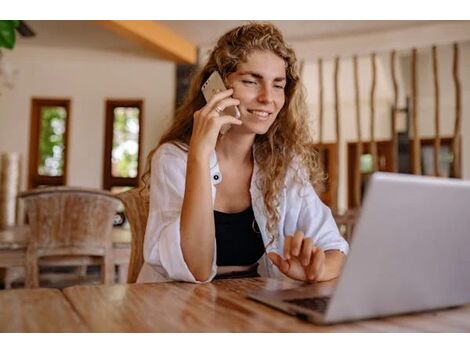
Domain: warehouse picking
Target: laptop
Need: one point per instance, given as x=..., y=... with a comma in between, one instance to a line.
x=410, y=252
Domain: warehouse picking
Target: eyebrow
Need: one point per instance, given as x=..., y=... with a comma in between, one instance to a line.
x=260, y=76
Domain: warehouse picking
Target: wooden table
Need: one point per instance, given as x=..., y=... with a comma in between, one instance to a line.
x=13, y=243
x=222, y=306
x=17, y=237
x=37, y=310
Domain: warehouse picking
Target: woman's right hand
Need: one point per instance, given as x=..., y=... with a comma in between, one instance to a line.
x=209, y=120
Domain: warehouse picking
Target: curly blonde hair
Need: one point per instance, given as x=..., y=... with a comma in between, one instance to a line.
x=289, y=135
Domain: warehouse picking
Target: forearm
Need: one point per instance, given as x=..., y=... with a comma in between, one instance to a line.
x=197, y=220
x=334, y=261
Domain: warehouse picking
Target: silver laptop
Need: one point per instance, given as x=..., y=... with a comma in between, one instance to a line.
x=410, y=252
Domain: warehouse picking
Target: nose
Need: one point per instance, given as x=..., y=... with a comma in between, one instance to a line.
x=265, y=94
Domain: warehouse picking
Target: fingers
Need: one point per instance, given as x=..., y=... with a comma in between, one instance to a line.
x=218, y=99
x=287, y=246
x=316, y=268
x=307, y=251
x=228, y=119
x=296, y=244
x=293, y=244
x=225, y=103
x=277, y=260
x=301, y=251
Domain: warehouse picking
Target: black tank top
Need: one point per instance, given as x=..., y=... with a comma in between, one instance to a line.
x=238, y=238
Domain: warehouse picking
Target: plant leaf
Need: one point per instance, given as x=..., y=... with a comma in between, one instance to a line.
x=7, y=33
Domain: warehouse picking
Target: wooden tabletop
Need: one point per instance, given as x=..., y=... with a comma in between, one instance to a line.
x=222, y=306
x=37, y=310
x=17, y=237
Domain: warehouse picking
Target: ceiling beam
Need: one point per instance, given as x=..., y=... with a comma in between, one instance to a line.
x=156, y=37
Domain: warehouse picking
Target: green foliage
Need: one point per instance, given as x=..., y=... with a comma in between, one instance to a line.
x=51, y=141
x=7, y=33
x=125, y=161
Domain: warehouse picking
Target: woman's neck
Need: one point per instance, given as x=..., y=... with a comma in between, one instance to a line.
x=235, y=147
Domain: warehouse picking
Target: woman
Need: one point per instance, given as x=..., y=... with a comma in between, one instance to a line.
x=222, y=204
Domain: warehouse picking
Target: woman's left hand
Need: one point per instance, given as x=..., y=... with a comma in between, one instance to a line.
x=302, y=260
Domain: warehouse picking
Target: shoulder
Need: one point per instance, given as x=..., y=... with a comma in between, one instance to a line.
x=169, y=159
x=171, y=152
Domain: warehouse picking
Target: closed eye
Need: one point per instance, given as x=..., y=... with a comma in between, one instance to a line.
x=248, y=82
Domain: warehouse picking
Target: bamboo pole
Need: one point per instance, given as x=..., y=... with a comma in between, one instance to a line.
x=338, y=136
x=437, y=128
x=456, y=165
x=373, y=143
x=357, y=169
x=320, y=101
x=416, y=157
x=394, y=113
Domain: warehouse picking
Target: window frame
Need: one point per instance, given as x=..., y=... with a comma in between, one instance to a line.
x=110, y=181
x=34, y=179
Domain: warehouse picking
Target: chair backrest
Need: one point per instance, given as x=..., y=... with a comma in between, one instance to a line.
x=70, y=217
x=346, y=222
x=136, y=204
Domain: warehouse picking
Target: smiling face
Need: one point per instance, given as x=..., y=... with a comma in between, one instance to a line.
x=259, y=83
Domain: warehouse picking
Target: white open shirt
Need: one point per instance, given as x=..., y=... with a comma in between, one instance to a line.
x=300, y=208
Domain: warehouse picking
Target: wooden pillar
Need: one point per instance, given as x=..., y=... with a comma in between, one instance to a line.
x=456, y=165
x=359, y=149
x=320, y=101
x=437, y=130
x=373, y=143
x=338, y=137
x=394, y=113
x=416, y=157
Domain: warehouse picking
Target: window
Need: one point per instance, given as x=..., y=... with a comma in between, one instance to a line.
x=123, y=135
x=48, y=142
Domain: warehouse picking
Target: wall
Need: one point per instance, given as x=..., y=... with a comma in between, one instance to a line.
x=88, y=78
x=422, y=37
x=384, y=99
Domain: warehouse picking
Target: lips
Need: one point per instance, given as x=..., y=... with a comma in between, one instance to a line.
x=262, y=114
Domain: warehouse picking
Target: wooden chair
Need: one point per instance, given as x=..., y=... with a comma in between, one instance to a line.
x=69, y=227
x=136, y=205
x=346, y=223
x=12, y=254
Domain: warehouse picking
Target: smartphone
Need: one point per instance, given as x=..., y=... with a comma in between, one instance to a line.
x=213, y=85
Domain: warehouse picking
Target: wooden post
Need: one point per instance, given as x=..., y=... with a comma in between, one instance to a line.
x=456, y=165
x=394, y=113
x=373, y=144
x=437, y=130
x=320, y=101
x=338, y=138
x=357, y=169
x=416, y=157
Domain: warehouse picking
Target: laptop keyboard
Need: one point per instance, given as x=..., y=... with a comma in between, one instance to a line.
x=318, y=304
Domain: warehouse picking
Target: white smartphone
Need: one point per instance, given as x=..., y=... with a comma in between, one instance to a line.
x=213, y=85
